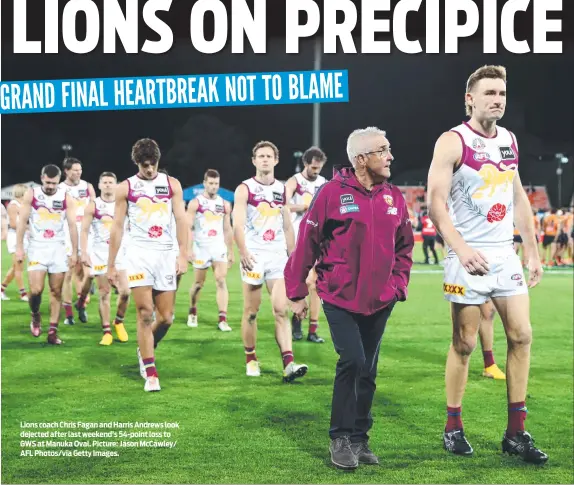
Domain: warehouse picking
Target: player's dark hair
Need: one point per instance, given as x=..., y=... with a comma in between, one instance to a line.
x=314, y=153
x=146, y=150
x=108, y=174
x=266, y=144
x=211, y=174
x=51, y=171
x=69, y=162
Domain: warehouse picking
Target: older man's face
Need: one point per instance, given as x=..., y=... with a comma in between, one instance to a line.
x=377, y=156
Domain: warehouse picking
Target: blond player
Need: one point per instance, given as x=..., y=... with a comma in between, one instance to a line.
x=148, y=200
x=211, y=243
x=301, y=189
x=83, y=193
x=474, y=172
x=264, y=236
x=15, y=271
x=98, y=219
x=45, y=211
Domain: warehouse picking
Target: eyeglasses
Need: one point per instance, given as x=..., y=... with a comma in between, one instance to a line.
x=381, y=152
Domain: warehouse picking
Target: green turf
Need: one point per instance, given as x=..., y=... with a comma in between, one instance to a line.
x=234, y=429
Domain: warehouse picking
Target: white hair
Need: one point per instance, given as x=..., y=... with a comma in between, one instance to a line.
x=358, y=141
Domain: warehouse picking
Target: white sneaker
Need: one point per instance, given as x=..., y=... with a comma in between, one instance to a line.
x=142, y=366
x=4, y=297
x=224, y=327
x=253, y=369
x=192, y=321
x=152, y=384
x=24, y=298
x=293, y=371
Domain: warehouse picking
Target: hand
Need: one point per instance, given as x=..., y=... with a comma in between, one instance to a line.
x=473, y=261
x=73, y=259
x=112, y=275
x=181, y=264
x=86, y=261
x=20, y=254
x=299, y=308
x=191, y=257
x=534, y=272
x=230, y=259
x=247, y=261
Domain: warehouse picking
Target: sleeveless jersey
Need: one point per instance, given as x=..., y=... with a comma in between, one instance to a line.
x=17, y=204
x=48, y=216
x=150, y=212
x=482, y=193
x=264, y=225
x=102, y=223
x=208, y=225
x=81, y=197
x=304, y=194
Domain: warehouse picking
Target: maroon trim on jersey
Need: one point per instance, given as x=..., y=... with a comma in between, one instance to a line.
x=169, y=185
x=138, y=176
x=479, y=133
x=464, y=150
x=264, y=185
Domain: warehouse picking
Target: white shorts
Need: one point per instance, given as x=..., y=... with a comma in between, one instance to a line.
x=505, y=278
x=152, y=267
x=50, y=257
x=99, y=257
x=11, y=242
x=268, y=266
x=206, y=255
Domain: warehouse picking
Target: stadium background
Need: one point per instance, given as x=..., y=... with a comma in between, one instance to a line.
x=238, y=431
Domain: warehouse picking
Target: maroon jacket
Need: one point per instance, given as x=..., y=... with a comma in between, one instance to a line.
x=361, y=241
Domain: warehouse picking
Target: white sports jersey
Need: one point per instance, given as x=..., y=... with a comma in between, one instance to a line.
x=481, y=198
x=150, y=212
x=304, y=193
x=264, y=225
x=48, y=216
x=208, y=225
x=17, y=204
x=81, y=196
x=102, y=223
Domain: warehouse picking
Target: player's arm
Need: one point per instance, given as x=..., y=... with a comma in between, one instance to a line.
x=12, y=216
x=307, y=251
x=91, y=193
x=71, y=218
x=86, y=223
x=22, y=224
x=290, y=188
x=288, y=230
x=523, y=219
x=227, y=229
x=178, y=207
x=191, y=213
x=404, y=244
x=117, y=231
x=239, y=218
x=447, y=153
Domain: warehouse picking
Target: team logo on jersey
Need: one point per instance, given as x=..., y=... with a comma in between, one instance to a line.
x=277, y=197
x=161, y=190
x=58, y=204
x=347, y=199
x=478, y=144
x=507, y=153
x=388, y=199
x=496, y=213
x=269, y=235
x=481, y=157
x=138, y=185
x=453, y=289
x=257, y=189
x=41, y=197
x=155, y=232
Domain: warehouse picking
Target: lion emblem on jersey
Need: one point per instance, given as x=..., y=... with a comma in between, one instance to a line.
x=149, y=208
x=494, y=178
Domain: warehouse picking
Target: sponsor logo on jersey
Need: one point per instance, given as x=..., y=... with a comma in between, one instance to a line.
x=453, y=289
x=347, y=199
x=277, y=197
x=349, y=208
x=507, y=153
x=57, y=204
x=136, y=277
x=481, y=157
x=161, y=190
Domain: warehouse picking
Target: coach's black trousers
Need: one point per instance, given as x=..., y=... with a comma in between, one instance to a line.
x=357, y=340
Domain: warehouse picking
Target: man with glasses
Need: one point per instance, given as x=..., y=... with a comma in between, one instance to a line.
x=358, y=231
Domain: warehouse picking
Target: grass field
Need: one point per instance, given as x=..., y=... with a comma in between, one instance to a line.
x=234, y=429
